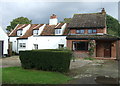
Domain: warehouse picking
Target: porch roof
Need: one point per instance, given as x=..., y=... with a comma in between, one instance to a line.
x=92, y=37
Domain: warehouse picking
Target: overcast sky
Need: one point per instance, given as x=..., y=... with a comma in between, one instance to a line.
x=39, y=12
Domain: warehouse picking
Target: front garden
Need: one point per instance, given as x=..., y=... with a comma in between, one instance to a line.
x=39, y=67
x=18, y=75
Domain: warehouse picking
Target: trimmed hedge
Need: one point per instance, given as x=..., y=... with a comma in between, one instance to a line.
x=49, y=60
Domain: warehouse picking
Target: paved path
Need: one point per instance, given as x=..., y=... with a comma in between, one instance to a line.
x=10, y=61
x=96, y=71
x=83, y=71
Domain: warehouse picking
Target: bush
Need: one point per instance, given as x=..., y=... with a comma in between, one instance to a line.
x=89, y=58
x=49, y=60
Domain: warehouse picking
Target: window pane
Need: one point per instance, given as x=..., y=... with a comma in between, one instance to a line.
x=35, y=32
x=35, y=46
x=80, y=31
x=60, y=46
x=19, y=32
x=22, y=45
x=80, y=45
x=57, y=31
x=89, y=31
x=94, y=31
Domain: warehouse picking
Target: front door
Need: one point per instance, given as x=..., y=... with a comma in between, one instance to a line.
x=107, y=49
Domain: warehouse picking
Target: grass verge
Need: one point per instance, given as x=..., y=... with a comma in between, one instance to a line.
x=17, y=75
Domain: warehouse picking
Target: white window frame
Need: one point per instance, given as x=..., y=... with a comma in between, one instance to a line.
x=22, y=45
x=19, y=32
x=57, y=31
x=35, y=32
x=60, y=46
x=35, y=46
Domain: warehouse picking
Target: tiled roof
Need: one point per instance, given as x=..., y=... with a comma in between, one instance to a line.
x=29, y=32
x=91, y=20
x=94, y=37
x=66, y=31
x=59, y=25
x=37, y=27
x=48, y=30
x=19, y=26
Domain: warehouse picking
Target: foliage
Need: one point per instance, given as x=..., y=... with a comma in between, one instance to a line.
x=92, y=47
x=49, y=60
x=113, y=26
x=19, y=20
x=17, y=75
x=66, y=20
x=89, y=58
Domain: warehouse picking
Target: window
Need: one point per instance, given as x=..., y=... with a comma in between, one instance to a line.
x=22, y=45
x=80, y=31
x=19, y=33
x=61, y=46
x=80, y=46
x=57, y=31
x=35, y=32
x=92, y=31
x=35, y=46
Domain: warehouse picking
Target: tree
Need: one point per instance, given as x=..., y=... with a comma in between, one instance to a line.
x=113, y=25
x=19, y=20
x=66, y=20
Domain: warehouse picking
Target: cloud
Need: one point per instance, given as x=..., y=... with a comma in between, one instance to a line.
x=39, y=12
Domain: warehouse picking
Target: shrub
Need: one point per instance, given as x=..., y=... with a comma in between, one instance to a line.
x=49, y=60
x=89, y=58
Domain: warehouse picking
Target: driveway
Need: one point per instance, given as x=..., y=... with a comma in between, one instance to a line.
x=10, y=61
x=82, y=71
x=95, y=72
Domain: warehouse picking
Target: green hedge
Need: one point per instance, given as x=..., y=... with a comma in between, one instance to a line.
x=49, y=60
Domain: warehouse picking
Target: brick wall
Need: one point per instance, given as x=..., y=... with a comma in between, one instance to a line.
x=77, y=53
x=102, y=30
x=113, y=49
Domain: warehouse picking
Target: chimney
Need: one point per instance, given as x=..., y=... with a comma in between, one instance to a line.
x=103, y=11
x=53, y=20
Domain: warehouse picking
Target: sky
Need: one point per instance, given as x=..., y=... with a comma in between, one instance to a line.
x=39, y=11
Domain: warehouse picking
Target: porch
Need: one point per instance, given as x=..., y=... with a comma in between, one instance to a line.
x=105, y=47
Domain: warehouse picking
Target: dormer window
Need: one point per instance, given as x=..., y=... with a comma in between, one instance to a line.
x=35, y=32
x=19, y=33
x=57, y=31
x=80, y=31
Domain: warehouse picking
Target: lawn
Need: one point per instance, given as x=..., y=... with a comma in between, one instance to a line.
x=17, y=75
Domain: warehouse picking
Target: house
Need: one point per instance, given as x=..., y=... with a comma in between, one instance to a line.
x=80, y=35
x=39, y=36
x=91, y=27
x=3, y=43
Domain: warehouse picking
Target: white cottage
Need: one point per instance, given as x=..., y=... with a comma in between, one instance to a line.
x=3, y=43
x=39, y=36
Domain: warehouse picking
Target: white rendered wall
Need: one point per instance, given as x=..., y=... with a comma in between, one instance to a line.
x=14, y=43
x=63, y=28
x=46, y=42
x=53, y=21
x=25, y=29
x=4, y=38
x=41, y=29
x=22, y=41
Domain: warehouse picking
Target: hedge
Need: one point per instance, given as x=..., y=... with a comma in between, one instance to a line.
x=49, y=60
